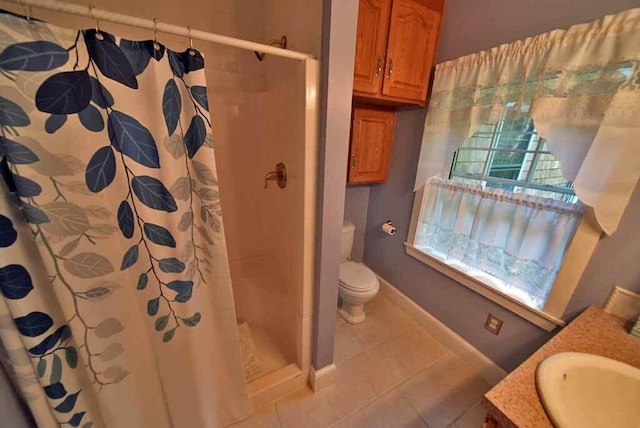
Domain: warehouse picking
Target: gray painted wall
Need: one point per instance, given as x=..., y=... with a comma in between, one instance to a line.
x=339, y=21
x=355, y=210
x=470, y=26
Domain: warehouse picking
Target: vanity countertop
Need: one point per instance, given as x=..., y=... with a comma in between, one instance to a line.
x=514, y=402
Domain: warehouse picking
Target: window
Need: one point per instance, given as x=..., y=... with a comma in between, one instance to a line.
x=499, y=162
x=511, y=155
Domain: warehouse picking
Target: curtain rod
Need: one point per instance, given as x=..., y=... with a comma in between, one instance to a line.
x=118, y=18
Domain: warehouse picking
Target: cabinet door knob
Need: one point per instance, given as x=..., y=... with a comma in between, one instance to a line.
x=390, y=69
x=379, y=66
x=354, y=159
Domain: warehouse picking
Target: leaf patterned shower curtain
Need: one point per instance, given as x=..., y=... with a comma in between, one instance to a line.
x=116, y=308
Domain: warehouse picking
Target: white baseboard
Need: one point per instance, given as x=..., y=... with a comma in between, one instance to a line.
x=320, y=379
x=623, y=303
x=487, y=369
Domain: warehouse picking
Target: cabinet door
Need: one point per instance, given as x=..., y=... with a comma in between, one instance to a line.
x=371, y=45
x=410, y=52
x=371, y=137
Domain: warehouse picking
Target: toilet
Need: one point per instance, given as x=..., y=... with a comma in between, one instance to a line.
x=358, y=284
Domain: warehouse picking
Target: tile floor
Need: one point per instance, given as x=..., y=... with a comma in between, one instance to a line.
x=391, y=373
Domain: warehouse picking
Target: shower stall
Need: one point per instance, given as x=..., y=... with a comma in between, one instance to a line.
x=269, y=229
x=263, y=112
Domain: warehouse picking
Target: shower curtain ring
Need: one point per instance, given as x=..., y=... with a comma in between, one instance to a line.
x=99, y=35
x=191, y=51
x=156, y=46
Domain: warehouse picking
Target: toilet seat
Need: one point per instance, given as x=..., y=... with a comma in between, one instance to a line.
x=357, y=277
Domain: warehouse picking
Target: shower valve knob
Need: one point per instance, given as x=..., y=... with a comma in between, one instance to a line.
x=279, y=175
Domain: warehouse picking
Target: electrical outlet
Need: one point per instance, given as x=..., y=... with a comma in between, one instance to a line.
x=493, y=324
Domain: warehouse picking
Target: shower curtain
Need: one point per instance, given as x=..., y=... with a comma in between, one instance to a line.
x=116, y=304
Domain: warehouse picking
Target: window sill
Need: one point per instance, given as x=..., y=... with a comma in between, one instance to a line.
x=539, y=318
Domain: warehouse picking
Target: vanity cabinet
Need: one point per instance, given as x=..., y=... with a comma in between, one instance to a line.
x=371, y=137
x=395, y=50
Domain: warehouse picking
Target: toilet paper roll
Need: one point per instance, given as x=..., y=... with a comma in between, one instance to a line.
x=389, y=228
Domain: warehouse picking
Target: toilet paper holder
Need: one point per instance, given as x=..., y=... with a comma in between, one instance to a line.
x=388, y=228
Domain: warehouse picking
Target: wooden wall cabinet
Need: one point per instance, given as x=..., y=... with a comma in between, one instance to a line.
x=371, y=138
x=395, y=50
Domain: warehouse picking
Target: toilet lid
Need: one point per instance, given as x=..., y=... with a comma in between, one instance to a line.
x=357, y=276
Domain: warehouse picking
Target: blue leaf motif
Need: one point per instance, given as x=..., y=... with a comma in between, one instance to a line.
x=171, y=105
x=40, y=55
x=153, y=193
x=176, y=63
x=68, y=404
x=56, y=369
x=11, y=114
x=71, y=355
x=183, y=288
x=91, y=119
x=199, y=93
x=15, y=282
x=64, y=93
x=76, y=419
x=193, y=320
x=156, y=54
x=132, y=139
x=152, y=306
x=8, y=234
x=55, y=391
x=193, y=61
x=54, y=122
x=125, y=219
x=34, y=215
x=184, y=62
x=137, y=53
x=17, y=153
x=27, y=188
x=34, y=324
x=171, y=265
x=195, y=136
x=159, y=235
x=62, y=333
x=101, y=169
x=142, y=281
x=99, y=94
x=110, y=59
x=130, y=257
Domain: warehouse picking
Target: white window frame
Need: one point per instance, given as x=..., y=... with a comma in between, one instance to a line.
x=550, y=316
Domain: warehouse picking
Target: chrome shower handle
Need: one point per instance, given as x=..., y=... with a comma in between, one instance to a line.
x=279, y=175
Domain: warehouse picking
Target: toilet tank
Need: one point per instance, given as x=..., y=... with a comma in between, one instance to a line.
x=348, y=230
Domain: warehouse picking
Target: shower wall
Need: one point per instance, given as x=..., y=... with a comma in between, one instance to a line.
x=264, y=227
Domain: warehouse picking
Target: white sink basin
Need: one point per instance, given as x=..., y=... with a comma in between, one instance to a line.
x=588, y=391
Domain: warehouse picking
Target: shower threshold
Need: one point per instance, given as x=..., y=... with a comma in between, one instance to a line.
x=274, y=385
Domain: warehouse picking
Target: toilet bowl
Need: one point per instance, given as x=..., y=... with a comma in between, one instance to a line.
x=357, y=283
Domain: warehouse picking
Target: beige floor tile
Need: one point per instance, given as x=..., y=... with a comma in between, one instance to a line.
x=379, y=367
x=382, y=324
x=444, y=391
x=346, y=343
x=356, y=420
x=414, y=350
x=351, y=391
x=378, y=302
x=397, y=319
x=392, y=411
x=339, y=319
x=303, y=408
x=263, y=418
x=473, y=417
